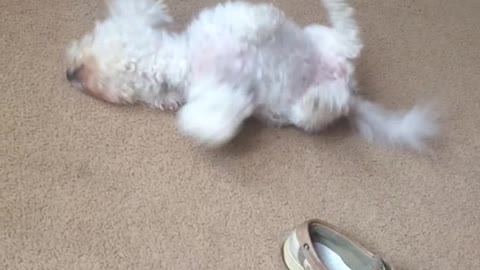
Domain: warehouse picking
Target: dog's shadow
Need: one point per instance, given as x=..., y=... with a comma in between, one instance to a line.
x=247, y=140
x=337, y=131
x=250, y=137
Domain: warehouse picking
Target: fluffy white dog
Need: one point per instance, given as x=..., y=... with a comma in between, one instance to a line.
x=234, y=61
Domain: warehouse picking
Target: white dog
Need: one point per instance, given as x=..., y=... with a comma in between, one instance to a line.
x=234, y=61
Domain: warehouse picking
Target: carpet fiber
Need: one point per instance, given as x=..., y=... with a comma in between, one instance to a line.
x=85, y=185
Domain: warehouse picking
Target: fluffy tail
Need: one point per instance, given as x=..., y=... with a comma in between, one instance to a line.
x=341, y=16
x=409, y=129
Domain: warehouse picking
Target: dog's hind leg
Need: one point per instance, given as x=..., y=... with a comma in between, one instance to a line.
x=320, y=106
x=341, y=17
x=215, y=112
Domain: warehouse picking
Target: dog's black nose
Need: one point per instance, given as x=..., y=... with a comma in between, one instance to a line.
x=72, y=74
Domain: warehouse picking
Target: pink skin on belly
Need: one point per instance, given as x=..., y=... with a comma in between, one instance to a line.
x=329, y=69
x=316, y=72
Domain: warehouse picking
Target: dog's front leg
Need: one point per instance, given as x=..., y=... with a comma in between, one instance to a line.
x=215, y=112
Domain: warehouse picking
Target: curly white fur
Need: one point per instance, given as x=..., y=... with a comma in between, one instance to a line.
x=234, y=61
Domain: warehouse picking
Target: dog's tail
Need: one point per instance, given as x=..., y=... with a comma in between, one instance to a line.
x=341, y=17
x=408, y=129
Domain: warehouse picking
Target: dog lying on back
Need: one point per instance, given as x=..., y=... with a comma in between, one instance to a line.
x=234, y=61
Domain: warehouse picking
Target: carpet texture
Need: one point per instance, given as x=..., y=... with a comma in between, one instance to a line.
x=85, y=185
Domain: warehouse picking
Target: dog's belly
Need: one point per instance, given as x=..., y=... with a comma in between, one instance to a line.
x=279, y=72
x=287, y=79
x=223, y=59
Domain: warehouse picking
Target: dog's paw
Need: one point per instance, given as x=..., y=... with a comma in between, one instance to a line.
x=321, y=106
x=170, y=101
x=172, y=106
x=207, y=126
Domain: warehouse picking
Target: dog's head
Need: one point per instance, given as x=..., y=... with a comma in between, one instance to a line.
x=104, y=63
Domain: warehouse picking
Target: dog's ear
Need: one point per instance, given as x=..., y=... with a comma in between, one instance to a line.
x=153, y=13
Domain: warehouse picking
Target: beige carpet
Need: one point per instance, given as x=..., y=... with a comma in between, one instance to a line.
x=85, y=185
